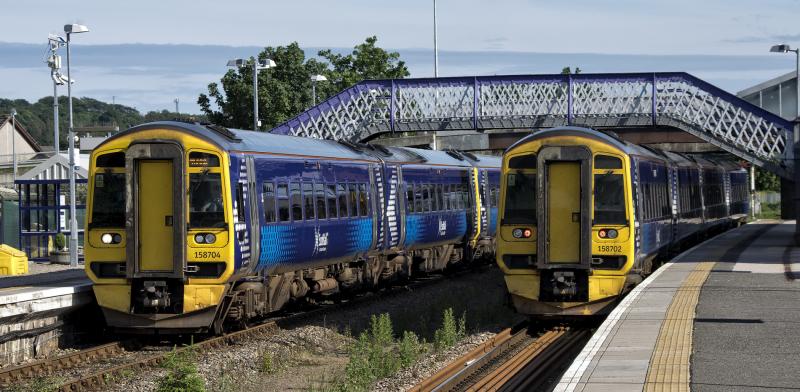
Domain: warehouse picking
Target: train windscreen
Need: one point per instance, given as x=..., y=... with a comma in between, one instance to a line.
x=609, y=199
x=205, y=200
x=520, y=204
x=108, y=207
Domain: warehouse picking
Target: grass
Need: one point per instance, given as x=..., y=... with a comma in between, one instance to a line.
x=182, y=374
x=770, y=211
x=377, y=354
x=39, y=384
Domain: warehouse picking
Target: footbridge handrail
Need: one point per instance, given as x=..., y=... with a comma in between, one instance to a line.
x=640, y=100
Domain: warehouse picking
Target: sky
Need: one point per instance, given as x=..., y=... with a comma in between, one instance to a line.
x=182, y=45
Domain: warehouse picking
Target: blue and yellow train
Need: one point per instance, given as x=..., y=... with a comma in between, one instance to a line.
x=191, y=226
x=585, y=215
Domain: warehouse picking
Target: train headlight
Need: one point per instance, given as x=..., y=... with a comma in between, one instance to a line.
x=200, y=238
x=517, y=233
x=107, y=238
x=116, y=238
x=211, y=238
x=612, y=233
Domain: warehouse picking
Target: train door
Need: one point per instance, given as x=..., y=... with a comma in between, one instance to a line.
x=564, y=207
x=155, y=215
x=157, y=248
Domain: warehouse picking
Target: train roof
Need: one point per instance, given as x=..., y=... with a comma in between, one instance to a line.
x=250, y=141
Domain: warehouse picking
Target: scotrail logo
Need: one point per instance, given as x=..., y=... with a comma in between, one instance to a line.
x=320, y=241
x=442, y=228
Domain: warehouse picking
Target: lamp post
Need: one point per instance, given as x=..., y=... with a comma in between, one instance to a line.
x=435, y=45
x=314, y=80
x=257, y=66
x=784, y=48
x=70, y=29
x=54, y=62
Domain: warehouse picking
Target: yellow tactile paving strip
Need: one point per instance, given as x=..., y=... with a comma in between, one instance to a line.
x=669, y=365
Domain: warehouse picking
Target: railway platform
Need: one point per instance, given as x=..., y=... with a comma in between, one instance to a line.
x=35, y=309
x=722, y=316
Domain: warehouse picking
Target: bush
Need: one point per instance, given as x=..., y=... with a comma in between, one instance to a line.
x=182, y=375
x=60, y=241
x=450, y=332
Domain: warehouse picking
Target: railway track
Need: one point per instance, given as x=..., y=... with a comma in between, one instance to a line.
x=97, y=379
x=512, y=360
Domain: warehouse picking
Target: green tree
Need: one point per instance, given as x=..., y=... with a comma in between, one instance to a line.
x=766, y=181
x=285, y=91
x=568, y=71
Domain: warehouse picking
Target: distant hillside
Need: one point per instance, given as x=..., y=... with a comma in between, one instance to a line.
x=37, y=117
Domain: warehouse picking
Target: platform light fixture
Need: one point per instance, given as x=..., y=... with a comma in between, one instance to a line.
x=257, y=66
x=314, y=80
x=70, y=29
x=784, y=48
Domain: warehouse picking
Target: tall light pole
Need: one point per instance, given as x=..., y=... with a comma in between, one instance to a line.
x=70, y=29
x=257, y=66
x=435, y=45
x=177, y=110
x=314, y=80
x=784, y=48
x=54, y=62
x=14, y=141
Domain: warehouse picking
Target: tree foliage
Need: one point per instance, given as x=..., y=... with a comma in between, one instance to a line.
x=37, y=117
x=766, y=181
x=568, y=71
x=285, y=90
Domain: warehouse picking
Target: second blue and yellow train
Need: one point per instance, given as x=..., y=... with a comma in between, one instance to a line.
x=584, y=215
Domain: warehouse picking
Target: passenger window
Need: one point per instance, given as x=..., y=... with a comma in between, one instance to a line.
x=341, y=191
x=445, y=197
x=363, y=200
x=330, y=193
x=308, y=200
x=607, y=162
x=319, y=198
x=410, y=197
x=418, y=197
x=296, y=200
x=268, y=200
x=353, y=199
x=426, y=197
x=282, y=197
x=440, y=197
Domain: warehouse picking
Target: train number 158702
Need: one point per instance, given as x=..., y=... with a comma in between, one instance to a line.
x=611, y=248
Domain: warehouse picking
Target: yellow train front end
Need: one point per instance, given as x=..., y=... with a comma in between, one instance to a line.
x=566, y=239
x=159, y=240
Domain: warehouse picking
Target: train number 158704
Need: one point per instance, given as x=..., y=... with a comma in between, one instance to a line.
x=611, y=248
x=206, y=255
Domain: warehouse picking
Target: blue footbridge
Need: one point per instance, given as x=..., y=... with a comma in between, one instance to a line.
x=650, y=102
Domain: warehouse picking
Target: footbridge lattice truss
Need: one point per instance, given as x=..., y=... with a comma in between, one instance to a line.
x=641, y=100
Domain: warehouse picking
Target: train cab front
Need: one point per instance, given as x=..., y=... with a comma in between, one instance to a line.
x=157, y=247
x=564, y=240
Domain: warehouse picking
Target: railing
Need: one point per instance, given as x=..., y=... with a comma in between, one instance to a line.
x=639, y=100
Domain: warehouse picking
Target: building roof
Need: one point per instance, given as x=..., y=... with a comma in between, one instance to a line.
x=22, y=131
x=765, y=85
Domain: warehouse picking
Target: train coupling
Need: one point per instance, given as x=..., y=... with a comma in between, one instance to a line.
x=564, y=283
x=154, y=294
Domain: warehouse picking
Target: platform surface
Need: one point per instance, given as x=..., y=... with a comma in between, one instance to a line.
x=43, y=285
x=723, y=316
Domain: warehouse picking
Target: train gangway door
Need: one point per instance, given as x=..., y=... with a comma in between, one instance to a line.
x=564, y=211
x=155, y=215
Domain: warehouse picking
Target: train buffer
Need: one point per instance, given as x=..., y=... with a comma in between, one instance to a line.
x=722, y=316
x=36, y=312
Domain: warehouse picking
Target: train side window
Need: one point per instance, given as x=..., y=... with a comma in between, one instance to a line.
x=341, y=192
x=353, y=199
x=440, y=196
x=446, y=197
x=282, y=197
x=296, y=200
x=308, y=200
x=418, y=198
x=363, y=200
x=319, y=199
x=410, y=197
x=435, y=197
x=268, y=200
x=426, y=197
x=607, y=162
x=330, y=194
